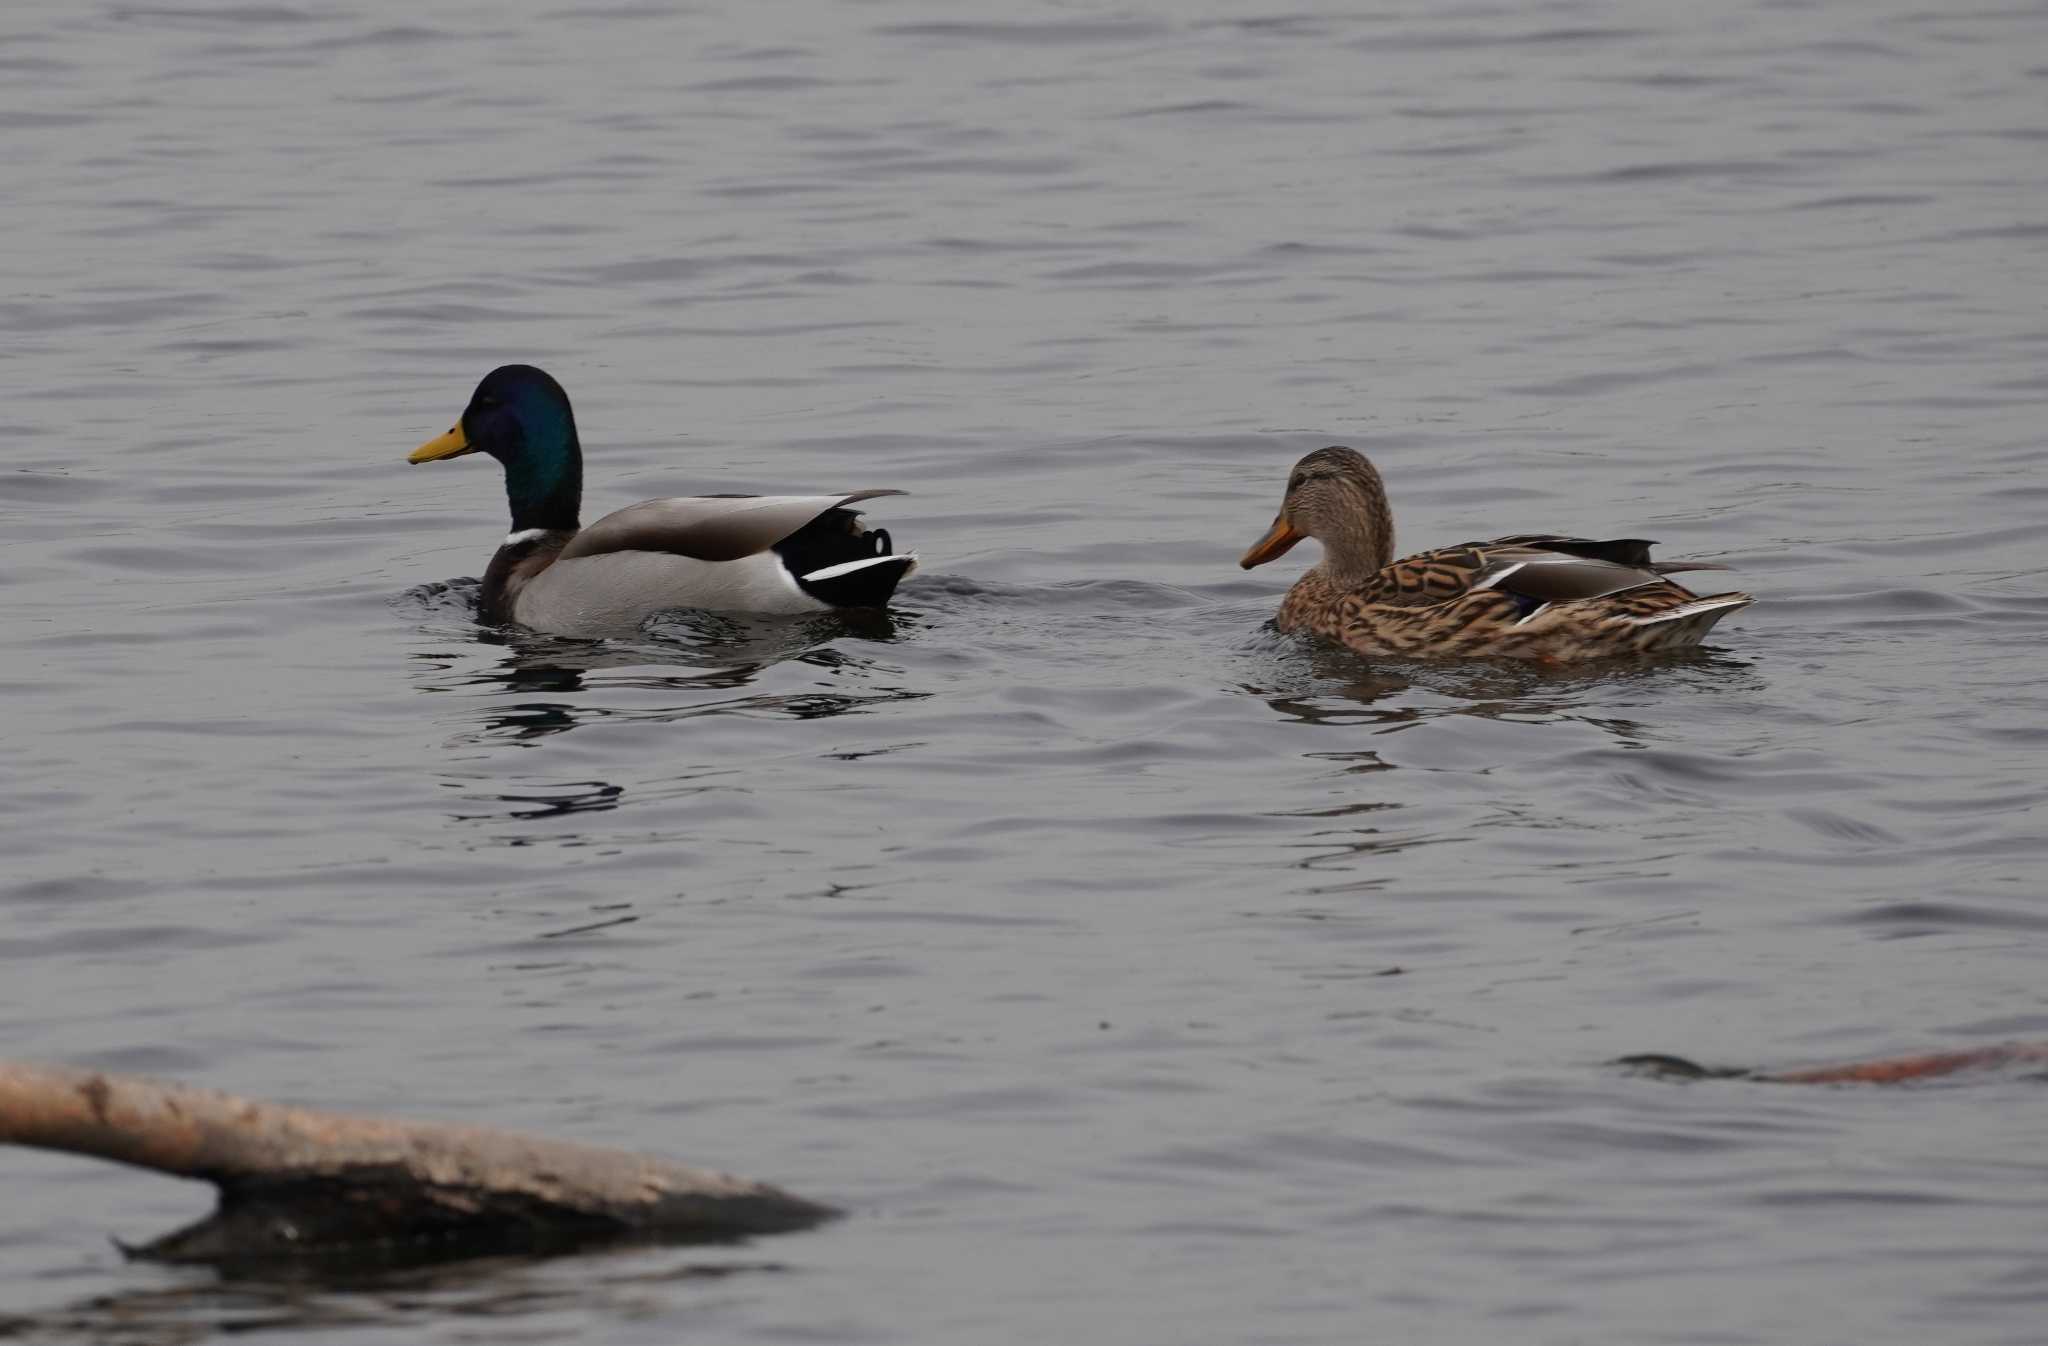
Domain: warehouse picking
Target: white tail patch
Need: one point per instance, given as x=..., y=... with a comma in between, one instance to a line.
x=1701, y=608
x=523, y=535
x=848, y=567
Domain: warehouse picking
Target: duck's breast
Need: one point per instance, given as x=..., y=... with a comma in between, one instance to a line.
x=616, y=591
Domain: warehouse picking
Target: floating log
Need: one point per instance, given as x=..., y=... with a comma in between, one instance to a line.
x=296, y=1184
x=1888, y=1070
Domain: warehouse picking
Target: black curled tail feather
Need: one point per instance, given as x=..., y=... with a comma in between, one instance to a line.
x=836, y=561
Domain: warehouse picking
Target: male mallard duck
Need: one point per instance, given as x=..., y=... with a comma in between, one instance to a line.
x=748, y=553
x=1530, y=596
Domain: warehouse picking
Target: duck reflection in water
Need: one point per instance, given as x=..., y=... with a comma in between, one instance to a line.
x=685, y=653
x=1337, y=687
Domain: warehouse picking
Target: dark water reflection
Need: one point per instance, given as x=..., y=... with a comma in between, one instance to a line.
x=514, y=1295
x=1339, y=688
x=728, y=651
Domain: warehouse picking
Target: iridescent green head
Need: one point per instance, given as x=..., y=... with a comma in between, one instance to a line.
x=521, y=417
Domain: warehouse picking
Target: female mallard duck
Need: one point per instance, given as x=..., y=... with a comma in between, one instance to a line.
x=748, y=553
x=1530, y=596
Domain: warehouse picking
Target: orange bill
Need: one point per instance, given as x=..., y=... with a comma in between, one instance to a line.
x=1277, y=540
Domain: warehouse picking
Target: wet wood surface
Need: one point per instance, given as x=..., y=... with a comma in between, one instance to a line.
x=297, y=1182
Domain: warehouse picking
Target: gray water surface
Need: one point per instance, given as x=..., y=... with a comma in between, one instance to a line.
x=1129, y=972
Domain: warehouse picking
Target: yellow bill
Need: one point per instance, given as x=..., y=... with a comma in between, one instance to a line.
x=1277, y=540
x=451, y=445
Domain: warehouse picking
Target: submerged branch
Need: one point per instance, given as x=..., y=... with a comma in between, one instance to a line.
x=1887, y=1070
x=296, y=1183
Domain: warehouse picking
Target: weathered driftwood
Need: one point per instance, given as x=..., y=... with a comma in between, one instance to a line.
x=1889, y=1070
x=295, y=1183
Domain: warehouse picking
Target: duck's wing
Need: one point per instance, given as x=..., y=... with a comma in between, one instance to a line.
x=707, y=527
x=1537, y=568
x=1627, y=551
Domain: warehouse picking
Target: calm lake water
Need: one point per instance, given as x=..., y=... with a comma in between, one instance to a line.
x=1129, y=972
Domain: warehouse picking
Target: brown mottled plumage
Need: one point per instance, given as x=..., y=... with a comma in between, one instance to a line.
x=1528, y=596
